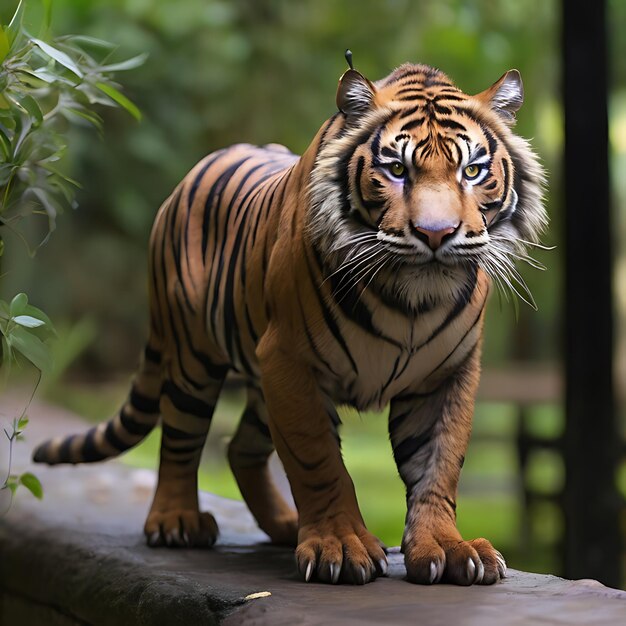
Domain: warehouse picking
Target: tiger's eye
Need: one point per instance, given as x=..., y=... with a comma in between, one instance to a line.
x=471, y=171
x=397, y=169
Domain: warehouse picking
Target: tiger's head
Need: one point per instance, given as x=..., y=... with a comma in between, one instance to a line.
x=420, y=184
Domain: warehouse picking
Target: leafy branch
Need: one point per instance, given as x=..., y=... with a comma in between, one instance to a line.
x=26, y=479
x=46, y=86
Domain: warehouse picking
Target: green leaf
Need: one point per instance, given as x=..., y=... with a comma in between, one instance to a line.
x=58, y=56
x=22, y=422
x=129, y=64
x=90, y=41
x=31, y=482
x=4, y=45
x=5, y=144
x=23, y=125
x=28, y=322
x=18, y=304
x=16, y=21
x=47, y=4
x=33, y=311
x=86, y=114
x=121, y=99
x=31, y=79
x=47, y=203
x=29, y=104
x=7, y=361
x=31, y=347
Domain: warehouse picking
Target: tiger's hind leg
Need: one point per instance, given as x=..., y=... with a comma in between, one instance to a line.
x=248, y=455
x=175, y=518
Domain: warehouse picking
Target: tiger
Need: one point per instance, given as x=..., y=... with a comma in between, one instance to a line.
x=355, y=274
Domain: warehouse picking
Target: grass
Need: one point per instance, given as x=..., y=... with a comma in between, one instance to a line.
x=489, y=501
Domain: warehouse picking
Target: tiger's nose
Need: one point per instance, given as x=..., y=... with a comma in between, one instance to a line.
x=433, y=235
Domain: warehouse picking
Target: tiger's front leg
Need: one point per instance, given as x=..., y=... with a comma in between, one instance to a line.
x=429, y=434
x=333, y=543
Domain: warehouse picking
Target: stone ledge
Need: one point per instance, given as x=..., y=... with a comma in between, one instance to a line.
x=79, y=557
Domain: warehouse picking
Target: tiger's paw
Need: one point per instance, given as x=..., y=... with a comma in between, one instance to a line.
x=339, y=549
x=181, y=528
x=474, y=562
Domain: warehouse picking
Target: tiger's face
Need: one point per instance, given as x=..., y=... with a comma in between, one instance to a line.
x=424, y=183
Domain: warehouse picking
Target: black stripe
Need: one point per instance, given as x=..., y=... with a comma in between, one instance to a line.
x=413, y=124
x=143, y=403
x=221, y=255
x=251, y=418
x=111, y=436
x=461, y=302
x=217, y=188
x=90, y=453
x=186, y=403
x=168, y=309
x=375, y=147
x=311, y=340
x=152, y=355
x=452, y=124
x=232, y=334
x=409, y=112
x=490, y=206
x=306, y=465
x=410, y=446
x=507, y=176
x=491, y=140
x=271, y=187
x=65, y=454
x=368, y=205
x=469, y=246
x=184, y=449
x=328, y=315
x=174, y=433
x=132, y=426
x=459, y=153
x=216, y=371
x=440, y=109
x=469, y=352
x=353, y=307
x=391, y=376
x=412, y=97
x=412, y=90
x=450, y=96
x=198, y=179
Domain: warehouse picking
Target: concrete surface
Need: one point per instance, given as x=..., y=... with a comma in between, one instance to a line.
x=78, y=557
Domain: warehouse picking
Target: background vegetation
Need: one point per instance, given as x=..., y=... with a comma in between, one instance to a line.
x=223, y=71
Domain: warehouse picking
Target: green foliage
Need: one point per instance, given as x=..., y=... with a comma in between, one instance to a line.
x=47, y=85
x=13, y=481
x=44, y=86
x=24, y=331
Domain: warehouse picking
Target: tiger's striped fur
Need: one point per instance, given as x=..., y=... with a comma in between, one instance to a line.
x=357, y=273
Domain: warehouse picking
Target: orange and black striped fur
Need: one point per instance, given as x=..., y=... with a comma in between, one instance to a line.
x=357, y=273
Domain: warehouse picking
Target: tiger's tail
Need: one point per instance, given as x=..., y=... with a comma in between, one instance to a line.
x=137, y=417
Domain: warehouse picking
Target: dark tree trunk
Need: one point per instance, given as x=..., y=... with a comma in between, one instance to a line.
x=591, y=503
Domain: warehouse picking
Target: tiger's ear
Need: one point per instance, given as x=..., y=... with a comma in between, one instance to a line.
x=355, y=94
x=505, y=96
